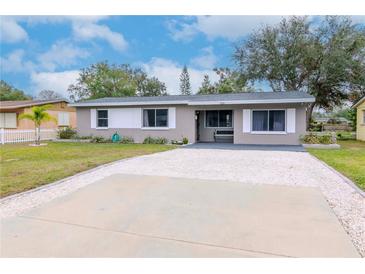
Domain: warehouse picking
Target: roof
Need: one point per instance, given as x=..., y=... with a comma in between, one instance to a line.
x=359, y=102
x=212, y=99
x=27, y=103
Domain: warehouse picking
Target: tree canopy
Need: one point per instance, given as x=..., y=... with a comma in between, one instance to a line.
x=105, y=80
x=325, y=59
x=9, y=93
x=229, y=81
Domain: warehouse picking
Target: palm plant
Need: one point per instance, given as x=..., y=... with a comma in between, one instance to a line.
x=38, y=115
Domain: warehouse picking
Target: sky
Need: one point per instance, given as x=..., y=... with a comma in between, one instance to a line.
x=47, y=52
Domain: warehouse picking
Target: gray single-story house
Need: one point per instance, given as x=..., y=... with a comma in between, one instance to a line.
x=240, y=118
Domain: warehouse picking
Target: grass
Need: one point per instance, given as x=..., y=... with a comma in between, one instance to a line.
x=24, y=167
x=349, y=160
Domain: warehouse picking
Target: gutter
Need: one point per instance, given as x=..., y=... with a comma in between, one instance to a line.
x=194, y=103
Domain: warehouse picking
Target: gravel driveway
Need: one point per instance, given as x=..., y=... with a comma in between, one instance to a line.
x=278, y=167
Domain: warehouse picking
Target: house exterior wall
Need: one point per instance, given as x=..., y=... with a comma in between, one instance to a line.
x=186, y=124
x=25, y=124
x=360, y=127
x=241, y=137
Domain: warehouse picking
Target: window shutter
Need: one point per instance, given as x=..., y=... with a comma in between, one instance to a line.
x=10, y=120
x=290, y=118
x=246, y=126
x=172, y=117
x=93, y=118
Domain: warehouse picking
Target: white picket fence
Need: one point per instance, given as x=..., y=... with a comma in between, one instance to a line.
x=21, y=136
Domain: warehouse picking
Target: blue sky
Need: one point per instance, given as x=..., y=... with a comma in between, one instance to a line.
x=47, y=52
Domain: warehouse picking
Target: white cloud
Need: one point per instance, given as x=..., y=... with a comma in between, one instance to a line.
x=181, y=31
x=89, y=31
x=229, y=27
x=11, y=31
x=169, y=72
x=57, y=81
x=61, y=53
x=14, y=62
x=207, y=60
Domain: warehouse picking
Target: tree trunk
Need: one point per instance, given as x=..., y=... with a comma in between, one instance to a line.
x=37, y=136
x=309, y=114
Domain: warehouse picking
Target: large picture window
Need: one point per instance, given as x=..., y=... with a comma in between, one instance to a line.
x=155, y=117
x=268, y=120
x=218, y=118
x=102, y=118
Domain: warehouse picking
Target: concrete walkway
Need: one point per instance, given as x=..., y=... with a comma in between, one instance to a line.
x=151, y=216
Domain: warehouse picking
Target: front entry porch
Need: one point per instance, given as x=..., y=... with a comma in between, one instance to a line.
x=214, y=126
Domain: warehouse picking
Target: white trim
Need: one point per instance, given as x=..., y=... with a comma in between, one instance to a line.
x=194, y=103
x=145, y=103
x=359, y=102
x=268, y=132
x=249, y=102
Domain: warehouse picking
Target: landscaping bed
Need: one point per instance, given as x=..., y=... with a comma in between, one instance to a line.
x=24, y=167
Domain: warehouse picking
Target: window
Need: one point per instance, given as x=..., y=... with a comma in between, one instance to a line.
x=63, y=118
x=8, y=120
x=268, y=120
x=218, y=118
x=102, y=118
x=155, y=117
x=363, y=116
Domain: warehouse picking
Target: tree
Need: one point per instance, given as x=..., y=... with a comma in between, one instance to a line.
x=149, y=86
x=38, y=116
x=206, y=87
x=230, y=81
x=47, y=94
x=327, y=61
x=104, y=80
x=9, y=93
x=185, y=87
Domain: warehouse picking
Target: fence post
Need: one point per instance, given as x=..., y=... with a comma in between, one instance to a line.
x=2, y=136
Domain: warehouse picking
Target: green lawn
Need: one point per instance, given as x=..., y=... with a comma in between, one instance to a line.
x=349, y=160
x=24, y=167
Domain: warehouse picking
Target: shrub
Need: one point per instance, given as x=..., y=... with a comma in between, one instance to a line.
x=155, y=140
x=99, y=139
x=185, y=140
x=67, y=133
x=318, y=139
x=127, y=140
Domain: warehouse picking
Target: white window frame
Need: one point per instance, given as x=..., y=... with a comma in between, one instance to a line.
x=97, y=118
x=267, y=132
x=205, y=118
x=155, y=128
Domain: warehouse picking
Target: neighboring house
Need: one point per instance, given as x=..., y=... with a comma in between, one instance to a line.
x=360, y=126
x=240, y=118
x=10, y=110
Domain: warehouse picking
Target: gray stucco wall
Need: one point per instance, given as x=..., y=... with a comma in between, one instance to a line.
x=186, y=127
x=272, y=139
